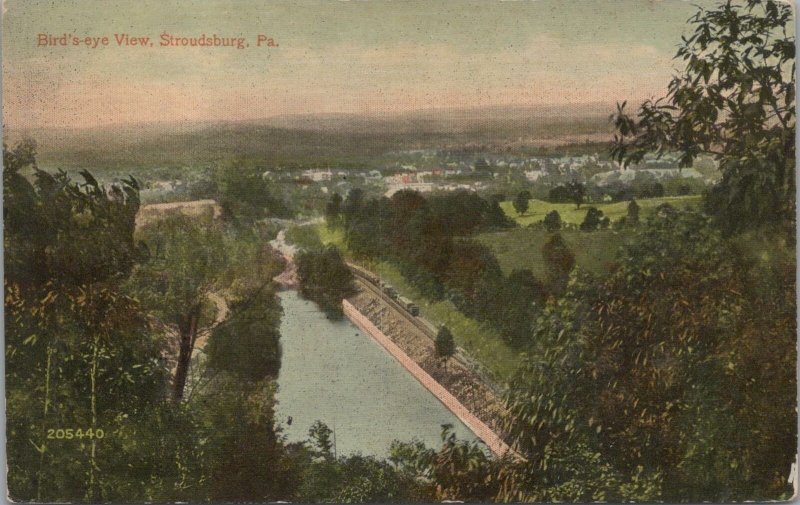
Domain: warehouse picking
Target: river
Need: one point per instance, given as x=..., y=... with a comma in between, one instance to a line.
x=333, y=372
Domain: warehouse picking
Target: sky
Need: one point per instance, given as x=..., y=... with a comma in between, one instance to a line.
x=368, y=57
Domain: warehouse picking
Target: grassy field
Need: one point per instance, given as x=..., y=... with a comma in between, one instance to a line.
x=569, y=214
x=305, y=236
x=328, y=236
x=522, y=248
x=480, y=341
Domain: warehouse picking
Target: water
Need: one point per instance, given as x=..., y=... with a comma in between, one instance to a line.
x=333, y=372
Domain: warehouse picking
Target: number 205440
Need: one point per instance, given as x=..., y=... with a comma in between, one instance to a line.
x=72, y=433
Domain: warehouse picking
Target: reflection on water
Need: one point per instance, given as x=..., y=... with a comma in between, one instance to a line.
x=333, y=372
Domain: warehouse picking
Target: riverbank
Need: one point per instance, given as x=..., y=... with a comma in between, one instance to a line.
x=479, y=428
x=457, y=380
x=459, y=388
x=333, y=372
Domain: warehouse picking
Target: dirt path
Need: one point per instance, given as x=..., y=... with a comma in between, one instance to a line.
x=221, y=305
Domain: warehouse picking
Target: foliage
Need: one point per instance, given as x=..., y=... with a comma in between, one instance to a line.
x=353, y=479
x=47, y=224
x=521, y=202
x=183, y=269
x=559, y=194
x=245, y=195
x=240, y=455
x=457, y=471
x=559, y=261
x=593, y=219
x=577, y=192
x=444, y=344
x=247, y=344
x=481, y=165
x=78, y=351
x=552, y=221
x=522, y=249
x=424, y=238
x=325, y=279
x=333, y=210
x=735, y=100
x=305, y=236
x=632, y=218
x=572, y=217
x=648, y=368
x=654, y=190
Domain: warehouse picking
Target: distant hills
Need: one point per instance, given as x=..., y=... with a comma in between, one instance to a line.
x=313, y=139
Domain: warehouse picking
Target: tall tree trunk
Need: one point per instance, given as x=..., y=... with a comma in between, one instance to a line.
x=188, y=331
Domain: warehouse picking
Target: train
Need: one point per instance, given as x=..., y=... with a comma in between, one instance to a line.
x=364, y=274
x=386, y=288
x=407, y=304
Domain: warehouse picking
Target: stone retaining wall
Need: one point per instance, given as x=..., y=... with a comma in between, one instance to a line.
x=489, y=437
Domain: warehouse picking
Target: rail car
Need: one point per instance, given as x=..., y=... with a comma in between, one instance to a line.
x=390, y=291
x=386, y=288
x=410, y=306
x=364, y=274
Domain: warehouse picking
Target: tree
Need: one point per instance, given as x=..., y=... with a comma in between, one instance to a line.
x=245, y=195
x=577, y=192
x=444, y=345
x=352, y=204
x=559, y=261
x=333, y=210
x=552, y=221
x=678, y=394
x=325, y=279
x=495, y=217
x=592, y=220
x=247, y=344
x=521, y=202
x=175, y=283
x=735, y=102
x=654, y=190
x=632, y=218
x=482, y=166
x=77, y=350
x=517, y=302
x=559, y=194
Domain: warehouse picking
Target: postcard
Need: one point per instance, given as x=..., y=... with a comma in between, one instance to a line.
x=399, y=252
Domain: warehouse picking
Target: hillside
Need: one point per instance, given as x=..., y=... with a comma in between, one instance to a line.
x=522, y=248
x=345, y=140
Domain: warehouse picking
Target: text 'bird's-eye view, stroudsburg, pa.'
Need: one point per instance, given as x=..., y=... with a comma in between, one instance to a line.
x=316, y=251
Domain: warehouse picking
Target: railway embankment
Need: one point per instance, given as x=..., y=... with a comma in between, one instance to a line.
x=460, y=389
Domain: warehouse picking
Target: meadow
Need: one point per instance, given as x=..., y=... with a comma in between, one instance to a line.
x=537, y=209
x=522, y=248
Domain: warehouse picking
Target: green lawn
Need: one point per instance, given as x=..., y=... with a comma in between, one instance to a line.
x=539, y=208
x=480, y=341
x=522, y=248
x=328, y=236
x=305, y=237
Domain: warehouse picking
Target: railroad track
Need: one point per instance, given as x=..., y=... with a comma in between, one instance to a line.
x=370, y=281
